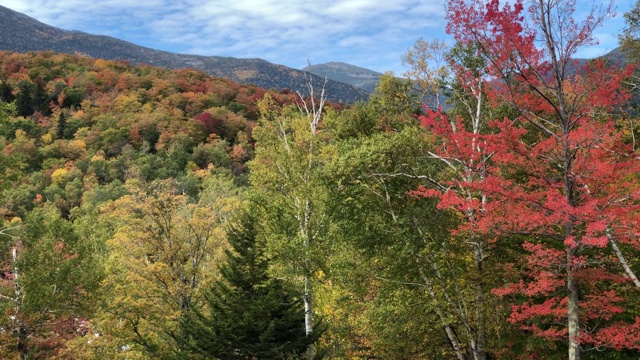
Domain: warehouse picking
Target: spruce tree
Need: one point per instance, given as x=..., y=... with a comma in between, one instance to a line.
x=249, y=315
x=62, y=124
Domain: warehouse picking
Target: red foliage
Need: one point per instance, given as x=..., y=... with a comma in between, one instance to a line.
x=211, y=124
x=557, y=173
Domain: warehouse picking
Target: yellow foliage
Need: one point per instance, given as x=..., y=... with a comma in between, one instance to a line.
x=97, y=157
x=21, y=134
x=203, y=173
x=147, y=108
x=58, y=176
x=100, y=64
x=46, y=138
x=163, y=253
x=78, y=144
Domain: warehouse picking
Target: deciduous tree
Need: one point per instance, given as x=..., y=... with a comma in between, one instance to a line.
x=556, y=172
x=162, y=254
x=286, y=172
x=49, y=276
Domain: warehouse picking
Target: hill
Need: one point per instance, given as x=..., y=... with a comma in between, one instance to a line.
x=363, y=78
x=21, y=33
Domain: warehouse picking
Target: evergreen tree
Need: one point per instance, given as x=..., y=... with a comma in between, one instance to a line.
x=249, y=314
x=60, y=127
x=25, y=100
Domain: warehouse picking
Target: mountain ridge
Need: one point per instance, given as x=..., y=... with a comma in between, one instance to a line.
x=339, y=71
x=21, y=33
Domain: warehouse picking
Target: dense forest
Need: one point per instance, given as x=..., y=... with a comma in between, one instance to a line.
x=486, y=207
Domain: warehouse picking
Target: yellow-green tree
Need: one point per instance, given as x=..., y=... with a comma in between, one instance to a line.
x=428, y=70
x=285, y=173
x=164, y=251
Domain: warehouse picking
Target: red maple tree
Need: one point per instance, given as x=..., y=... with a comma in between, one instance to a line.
x=558, y=174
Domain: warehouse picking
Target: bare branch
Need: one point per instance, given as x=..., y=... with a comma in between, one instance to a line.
x=313, y=109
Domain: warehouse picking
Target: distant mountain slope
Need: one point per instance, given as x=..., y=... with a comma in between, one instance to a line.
x=368, y=79
x=363, y=78
x=21, y=33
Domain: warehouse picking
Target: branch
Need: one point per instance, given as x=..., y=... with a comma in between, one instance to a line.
x=4, y=231
x=313, y=110
x=622, y=260
x=423, y=177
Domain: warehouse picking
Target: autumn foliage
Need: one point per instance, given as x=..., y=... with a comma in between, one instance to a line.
x=557, y=175
x=502, y=225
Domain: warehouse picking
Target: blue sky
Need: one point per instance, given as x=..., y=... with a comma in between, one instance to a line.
x=367, y=33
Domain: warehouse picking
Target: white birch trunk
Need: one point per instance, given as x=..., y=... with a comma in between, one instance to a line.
x=573, y=320
x=308, y=315
x=622, y=260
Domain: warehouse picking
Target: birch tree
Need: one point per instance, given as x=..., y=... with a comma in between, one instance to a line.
x=285, y=173
x=49, y=278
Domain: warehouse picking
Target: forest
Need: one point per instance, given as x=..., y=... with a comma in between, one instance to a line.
x=486, y=206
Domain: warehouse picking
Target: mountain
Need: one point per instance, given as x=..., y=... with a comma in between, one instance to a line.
x=368, y=79
x=21, y=33
x=363, y=78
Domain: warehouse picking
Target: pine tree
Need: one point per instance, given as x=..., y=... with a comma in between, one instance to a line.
x=60, y=127
x=249, y=315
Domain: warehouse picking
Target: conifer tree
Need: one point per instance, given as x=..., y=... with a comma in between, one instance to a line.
x=62, y=124
x=249, y=315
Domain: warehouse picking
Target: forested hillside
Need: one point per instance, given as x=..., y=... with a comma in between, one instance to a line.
x=21, y=33
x=154, y=213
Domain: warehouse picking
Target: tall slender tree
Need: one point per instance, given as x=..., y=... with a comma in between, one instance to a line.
x=286, y=170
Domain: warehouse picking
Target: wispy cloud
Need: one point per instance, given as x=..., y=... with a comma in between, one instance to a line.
x=368, y=33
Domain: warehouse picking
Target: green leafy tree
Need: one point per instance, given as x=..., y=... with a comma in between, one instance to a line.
x=49, y=278
x=630, y=36
x=286, y=173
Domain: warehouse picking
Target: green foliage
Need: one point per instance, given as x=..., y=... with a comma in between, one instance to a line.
x=163, y=251
x=55, y=274
x=630, y=36
x=249, y=314
x=395, y=102
x=118, y=180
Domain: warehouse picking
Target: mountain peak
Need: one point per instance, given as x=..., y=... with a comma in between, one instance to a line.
x=347, y=73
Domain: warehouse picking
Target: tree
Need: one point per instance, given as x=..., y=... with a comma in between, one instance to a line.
x=61, y=125
x=630, y=36
x=394, y=102
x=555, y=173
x=25, y=101
x=249, y=314
x=162, y=254
x=286, y=171
x=428, y=70
x=50, y=275
x=392, y=255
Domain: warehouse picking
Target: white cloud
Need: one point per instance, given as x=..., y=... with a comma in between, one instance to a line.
x=368, y=33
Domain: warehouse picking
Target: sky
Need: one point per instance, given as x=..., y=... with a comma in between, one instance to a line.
x=368, y=33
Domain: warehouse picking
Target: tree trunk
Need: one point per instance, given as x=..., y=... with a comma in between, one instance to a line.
x=573, y=320
x=308, y=315
x=22, y=345
x=622, y=260
x=479, y=352
x=451, y=334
